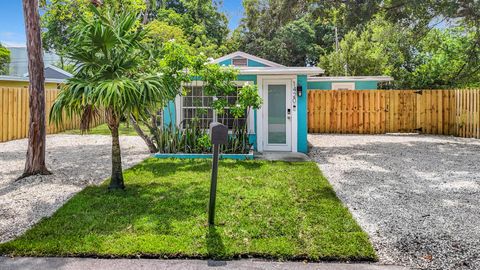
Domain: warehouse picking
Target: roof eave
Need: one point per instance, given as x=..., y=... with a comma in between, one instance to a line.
x=281, y=71
x=23, y=79
x=248, y=56
x=352, y=78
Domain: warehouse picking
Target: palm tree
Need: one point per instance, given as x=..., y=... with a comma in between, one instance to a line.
x=110, y=78
x=35, y=162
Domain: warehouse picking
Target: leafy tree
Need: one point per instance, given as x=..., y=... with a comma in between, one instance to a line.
x=445, y=59
x=4, y=59
x=107, y=50
x=381, y=49
x=294, y=44
x=58, y=20
x=204, y=27
x=160, y=32
x=442, y=58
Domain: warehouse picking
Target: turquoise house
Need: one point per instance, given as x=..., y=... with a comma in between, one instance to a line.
x=281, y=123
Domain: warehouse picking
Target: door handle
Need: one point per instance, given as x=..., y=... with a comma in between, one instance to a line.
x=289, y=112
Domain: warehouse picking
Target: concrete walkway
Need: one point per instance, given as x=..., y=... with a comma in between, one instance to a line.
x=282, y=156
x=120, y=264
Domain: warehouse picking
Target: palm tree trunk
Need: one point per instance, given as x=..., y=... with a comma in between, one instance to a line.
x=116, y=181
x=35, y=161
x=151, y=146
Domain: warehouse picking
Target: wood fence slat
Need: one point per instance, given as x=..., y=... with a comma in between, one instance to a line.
x=328, y=111
x=3, y=119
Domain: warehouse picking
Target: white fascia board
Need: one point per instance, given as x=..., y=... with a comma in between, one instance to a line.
x=248, y=56
x=281, y=71
x=26, y=79
x=351, y=79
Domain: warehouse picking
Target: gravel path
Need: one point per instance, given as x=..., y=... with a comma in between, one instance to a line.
x=75, y=161
x=417, y=196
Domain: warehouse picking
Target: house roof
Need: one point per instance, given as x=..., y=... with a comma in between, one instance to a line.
x=248, y=56
x=53, y=72
x=351, y=78
x=271, y=68
x=281, y=70
x=58, y=70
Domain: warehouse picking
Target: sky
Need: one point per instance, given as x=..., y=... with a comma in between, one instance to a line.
x=12, y=31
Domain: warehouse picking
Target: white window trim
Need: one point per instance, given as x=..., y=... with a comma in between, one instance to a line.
x=179, y=107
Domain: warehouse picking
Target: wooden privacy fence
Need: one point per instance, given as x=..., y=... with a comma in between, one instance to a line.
x=14, y=114
x=446, y=112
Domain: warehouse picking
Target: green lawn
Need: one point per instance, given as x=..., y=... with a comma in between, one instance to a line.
x=103, y=130
x=275, y=210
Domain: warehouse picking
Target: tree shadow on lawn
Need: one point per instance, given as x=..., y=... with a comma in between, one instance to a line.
x=166, y=167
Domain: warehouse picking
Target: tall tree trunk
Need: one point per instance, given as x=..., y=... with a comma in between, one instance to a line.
x=116, y=181
x=35, y=162
x=151, y=146
x=145, y=15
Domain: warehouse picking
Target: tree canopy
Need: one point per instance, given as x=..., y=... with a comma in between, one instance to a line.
x=404, y=39
x=4, y=59
x=422, y=44
x=198, y=23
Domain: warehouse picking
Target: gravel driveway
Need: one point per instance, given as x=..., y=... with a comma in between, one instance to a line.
x=417, y=196
x=75, y=161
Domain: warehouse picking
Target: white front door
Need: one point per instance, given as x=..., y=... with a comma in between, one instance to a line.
x=277, y=115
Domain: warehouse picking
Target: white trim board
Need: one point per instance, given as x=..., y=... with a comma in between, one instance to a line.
x=26, y=79
x=280, y=70
x=351, y=79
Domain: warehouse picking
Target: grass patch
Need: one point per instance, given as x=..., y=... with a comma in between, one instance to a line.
x=124, y=130
x=276, y=210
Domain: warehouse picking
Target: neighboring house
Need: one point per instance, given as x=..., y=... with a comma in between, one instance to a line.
x=53, y=78
x=19, y=60
x=14, y=81
x=281, y=123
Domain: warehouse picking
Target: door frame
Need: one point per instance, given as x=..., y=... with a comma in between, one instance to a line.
x=291, y=82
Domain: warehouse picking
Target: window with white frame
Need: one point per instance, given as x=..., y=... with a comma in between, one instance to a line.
x=240, y=61
x=343, y=86
x=196, y=109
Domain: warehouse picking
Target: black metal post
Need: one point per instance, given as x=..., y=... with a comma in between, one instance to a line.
x=213, y=186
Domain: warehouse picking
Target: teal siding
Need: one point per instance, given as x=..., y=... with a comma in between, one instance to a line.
x=226, y=62
x=366, y=85
x=247, y=78
x=169, y=114
x=320, y=85
x=359, y=85
x=252, y=63
x=302, y=144
x=204, y=156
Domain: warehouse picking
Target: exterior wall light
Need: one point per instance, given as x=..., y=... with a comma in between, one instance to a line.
x=299, y=90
